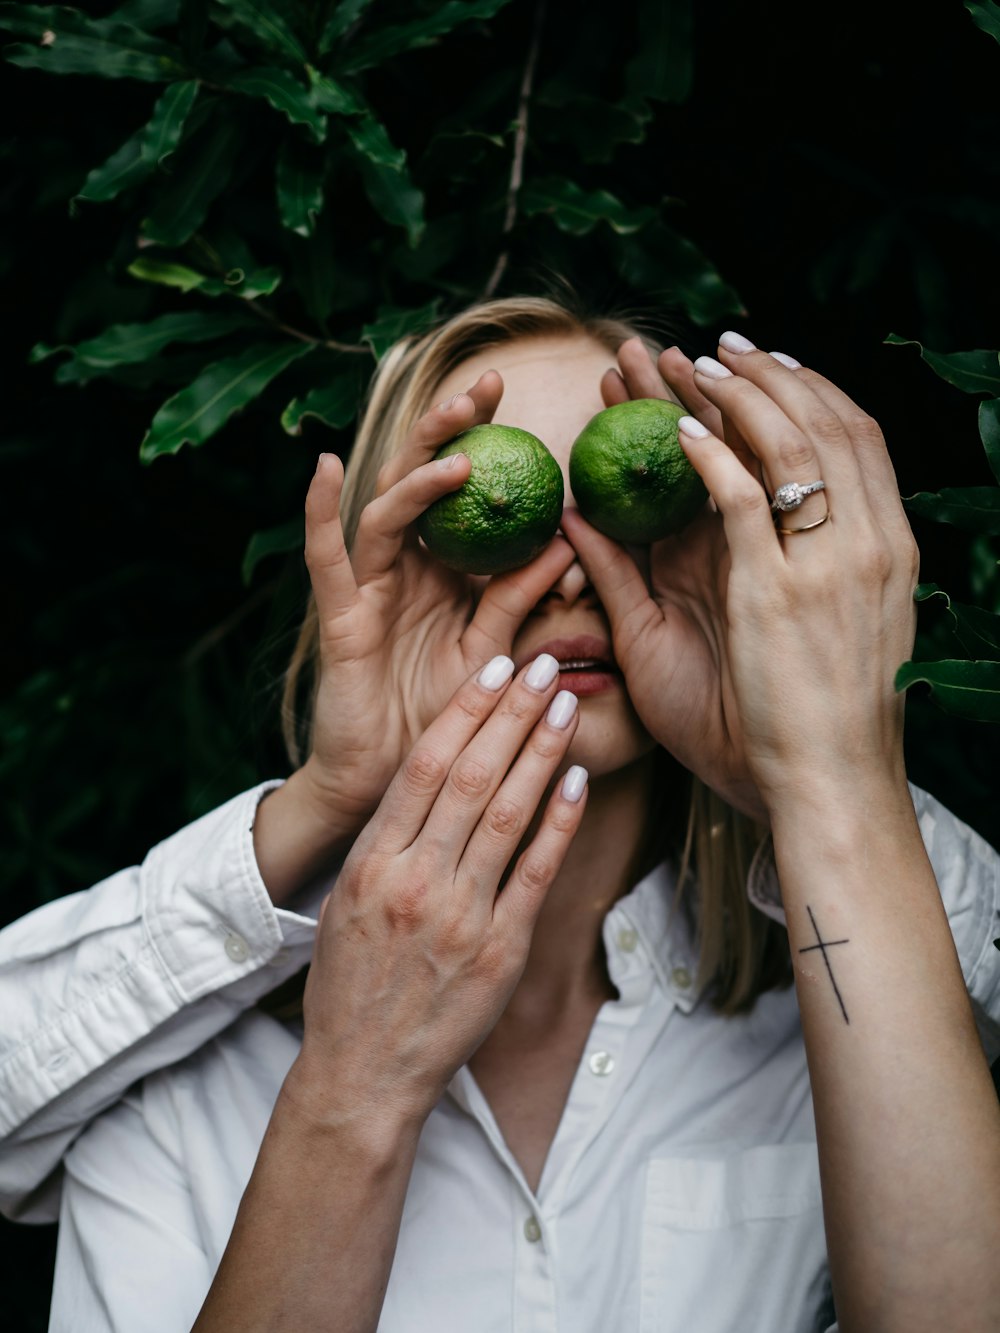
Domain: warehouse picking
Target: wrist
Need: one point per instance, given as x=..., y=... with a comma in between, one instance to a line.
x=297, y=837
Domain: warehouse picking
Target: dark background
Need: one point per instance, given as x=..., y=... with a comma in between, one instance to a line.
x=839, y=168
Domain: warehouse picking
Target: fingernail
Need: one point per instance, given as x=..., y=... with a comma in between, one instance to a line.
x=445, y=464
x=542, y=672
x=496, y=673
x=321, y=460
x=573, y=783
x=715, y=370
x=788, y=361
x=692, y=426
x=561, y=710
x=735, y=342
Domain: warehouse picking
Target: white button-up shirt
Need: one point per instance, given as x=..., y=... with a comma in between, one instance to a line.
x=681, y=1190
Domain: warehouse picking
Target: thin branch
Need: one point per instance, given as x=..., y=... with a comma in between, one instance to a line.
x=520, y=141
x=330, y=343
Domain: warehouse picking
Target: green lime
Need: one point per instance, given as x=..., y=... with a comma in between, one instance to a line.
x=630, y=477
x=508, y=510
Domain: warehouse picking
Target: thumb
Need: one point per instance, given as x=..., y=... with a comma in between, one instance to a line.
x=616, y=579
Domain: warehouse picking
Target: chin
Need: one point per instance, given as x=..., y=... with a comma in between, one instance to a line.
x=608, y=744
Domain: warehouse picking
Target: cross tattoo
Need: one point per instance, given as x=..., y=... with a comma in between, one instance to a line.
x=823, y=945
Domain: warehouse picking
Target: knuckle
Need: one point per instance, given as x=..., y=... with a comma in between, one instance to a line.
x=795, y=452
x=549, y=745
x=867, y=431
x=423, y=771
x=827, y=428
x=471, y=778
x=537, y=870
x=563, y=819
x=875, y=560
x=505, y=819
x=747, y=500
x=519, y=706
x=407, y=909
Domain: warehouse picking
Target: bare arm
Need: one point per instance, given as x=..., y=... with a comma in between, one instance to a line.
x=417, y=954
x=820, y=614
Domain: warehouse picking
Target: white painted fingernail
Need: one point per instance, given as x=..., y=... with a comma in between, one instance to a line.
x=692, y=426
x=786, y=360
x=542, y=672
x=735, y=342
x=715, y=370
x=561, y=710
x=496, y=673
x=574, y=783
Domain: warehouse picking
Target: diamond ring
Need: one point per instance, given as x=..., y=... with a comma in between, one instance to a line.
x=791, y=495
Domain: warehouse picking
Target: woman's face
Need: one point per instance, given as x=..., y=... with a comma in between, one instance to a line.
x=552, y=389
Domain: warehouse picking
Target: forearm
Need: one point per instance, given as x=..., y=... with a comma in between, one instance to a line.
x=298, y=836
x=315, y=1236
x=906, y=1116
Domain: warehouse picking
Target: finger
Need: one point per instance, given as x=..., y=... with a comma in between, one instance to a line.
x=385, y=521
x=441, y=424
x=616, y=579
x=478, y=771
x=414, y=789
x=613, y=389
x=789, y=453
x=868, y=442
x=640, y=375
x=329, y=566
x=508, y=598
x=517, y=907
x=508, y=816
x=678, y=371
x=744, y=507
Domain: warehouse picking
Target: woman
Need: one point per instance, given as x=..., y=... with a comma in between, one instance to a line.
x=567, y=1106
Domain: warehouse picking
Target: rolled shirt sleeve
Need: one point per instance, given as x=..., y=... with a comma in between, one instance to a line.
x=101, y=987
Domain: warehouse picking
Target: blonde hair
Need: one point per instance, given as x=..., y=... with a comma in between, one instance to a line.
x=741, y=952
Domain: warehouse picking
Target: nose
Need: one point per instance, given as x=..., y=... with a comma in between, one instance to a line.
x=571, y=588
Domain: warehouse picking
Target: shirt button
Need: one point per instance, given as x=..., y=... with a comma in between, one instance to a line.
x=628, y=939
x=681, y=978
x=237, y=948
x=601, y=1063
x=532, y=1231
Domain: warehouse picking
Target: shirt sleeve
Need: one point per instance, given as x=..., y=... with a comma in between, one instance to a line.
x=130, y=1258
x=967, y=869
x=102, y=987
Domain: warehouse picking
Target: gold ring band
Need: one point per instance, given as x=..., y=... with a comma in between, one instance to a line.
x=806, y=527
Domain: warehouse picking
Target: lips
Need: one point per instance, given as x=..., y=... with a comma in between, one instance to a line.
x=586, y=663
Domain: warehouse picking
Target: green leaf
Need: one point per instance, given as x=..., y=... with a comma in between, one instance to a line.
x=579, y=211
x=150, y=15
x=977, y=630
x=146, y=150
x=985, y=15
x=329, y=95
x=389, y=39
x=967, y=689
x=674, y=271
x=392, y=323
x=285, y=93
x=971, y=508
x=343, y=17
x=664, y=66
x=269, y=26
x=299, y=181
x=290, y=536
x=386, y=177
x=68, y=42
x=124, y=344
x=202, y=175
x=989, y=432
x=196, y=413
x=166, y=274
x=595, y=128
x=972, y=372
x=335, y=404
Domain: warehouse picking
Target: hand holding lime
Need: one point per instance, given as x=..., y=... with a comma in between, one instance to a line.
x=506, y=513
x=630, y=476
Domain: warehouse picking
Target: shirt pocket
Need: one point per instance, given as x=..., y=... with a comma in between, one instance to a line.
x=734, y=1244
